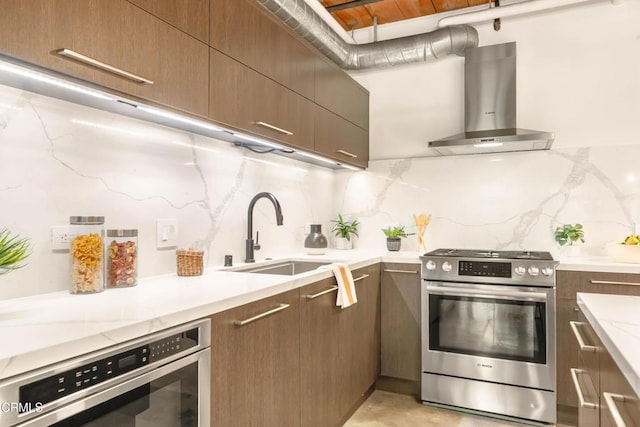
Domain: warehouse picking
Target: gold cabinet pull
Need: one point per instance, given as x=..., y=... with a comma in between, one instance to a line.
x=346, y=153
x=576, y=332
x=319, y=294
x=610, y=401
x=276, y=128
x=357, y=279
x=583, y=403
x=103, y=66
x=389, y=270
x=260, y=316
x=609, y=282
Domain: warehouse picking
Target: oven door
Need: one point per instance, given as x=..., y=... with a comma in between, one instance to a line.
x=174, y=395
x=501, y=334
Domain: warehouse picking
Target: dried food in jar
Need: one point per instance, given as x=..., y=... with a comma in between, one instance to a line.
x=122, y=263
x=86, y=263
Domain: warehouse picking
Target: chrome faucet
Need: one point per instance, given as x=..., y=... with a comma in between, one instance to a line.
x=250, y=245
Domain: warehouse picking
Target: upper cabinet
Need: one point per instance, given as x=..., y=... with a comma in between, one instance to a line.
x=240, y=29
x=160, y=62
x=190, y=16
x=340, y=139
x=338, y=92
x=245, y=99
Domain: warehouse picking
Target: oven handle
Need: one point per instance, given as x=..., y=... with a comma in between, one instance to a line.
x=102, y=396
x=486, y=293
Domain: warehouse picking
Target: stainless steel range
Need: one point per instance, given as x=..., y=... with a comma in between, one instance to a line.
x=488, y=332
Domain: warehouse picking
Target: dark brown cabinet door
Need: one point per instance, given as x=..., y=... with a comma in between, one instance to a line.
x=190, y=16
x=338, y=92
x=255, y=364
x=567, y=353
x=339, y=348
x=400, y=316
x=340, y=139
x=246, y=100
x=243, y=31
x=117, y=33
x=33, y=30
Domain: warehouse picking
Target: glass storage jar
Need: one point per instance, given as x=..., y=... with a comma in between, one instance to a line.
x=86, y=247
x=122, y=258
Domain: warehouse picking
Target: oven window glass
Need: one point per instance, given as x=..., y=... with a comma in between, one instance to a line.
x=502, y=329
x=169, y=401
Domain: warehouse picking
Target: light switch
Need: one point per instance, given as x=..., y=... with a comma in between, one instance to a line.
x=166, y=233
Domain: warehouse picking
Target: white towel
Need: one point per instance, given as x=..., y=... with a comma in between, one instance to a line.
x=346, y=287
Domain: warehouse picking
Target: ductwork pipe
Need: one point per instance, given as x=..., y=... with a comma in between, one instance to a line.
x=302, y=19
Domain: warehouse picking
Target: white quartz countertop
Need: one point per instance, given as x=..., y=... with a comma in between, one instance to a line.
x=595, y=263
x=616, y=320
x=44, y=329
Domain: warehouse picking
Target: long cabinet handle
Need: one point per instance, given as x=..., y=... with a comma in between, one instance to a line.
x=610, y=401
x=389, y=270
x=583, y=403
x=576, y=332
x=103, y=66
x=333, y=288
x=272, y=127
x=609, y=282
x=346, y=153
x=260, y=316
x=319, y=294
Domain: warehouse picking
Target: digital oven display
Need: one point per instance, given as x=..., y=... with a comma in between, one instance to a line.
x=484, y=268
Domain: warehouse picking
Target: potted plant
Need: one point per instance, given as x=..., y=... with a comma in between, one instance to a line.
x=14, y=250
x=571, y=235
x=343, y=231
x=394, y=235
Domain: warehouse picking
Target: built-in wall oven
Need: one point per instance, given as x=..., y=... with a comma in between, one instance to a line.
x=488, y=332
x=161, y=380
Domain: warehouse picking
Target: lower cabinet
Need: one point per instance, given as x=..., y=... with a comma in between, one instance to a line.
x=255, y=363
x=605, y=398
x=339, y=348
x=400, y=316
x=296, y=359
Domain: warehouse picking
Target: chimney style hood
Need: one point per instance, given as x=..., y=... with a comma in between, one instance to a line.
x=490, y=107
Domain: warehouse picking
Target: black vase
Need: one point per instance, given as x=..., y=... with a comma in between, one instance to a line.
x=316, y=242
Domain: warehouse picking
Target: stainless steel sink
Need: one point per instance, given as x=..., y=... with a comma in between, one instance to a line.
x=284, y=268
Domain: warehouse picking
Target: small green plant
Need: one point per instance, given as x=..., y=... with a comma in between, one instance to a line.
x=395, y=232
x=14, y=250
x=569, y=233
x=345, y=229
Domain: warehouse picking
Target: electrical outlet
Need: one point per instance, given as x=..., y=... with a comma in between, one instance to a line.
x=60, y=237
x=166, y=233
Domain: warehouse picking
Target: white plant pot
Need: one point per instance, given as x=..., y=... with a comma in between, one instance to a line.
x=572, y=250
x=342, y=243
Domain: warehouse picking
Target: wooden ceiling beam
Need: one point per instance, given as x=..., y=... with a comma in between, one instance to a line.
x=349, y=5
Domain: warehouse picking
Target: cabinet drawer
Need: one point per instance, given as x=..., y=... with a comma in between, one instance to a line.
x=571, y=282
x=338, y=92
x=190, y=16
x=567, y=351
x=244, y=99
x=589, y=348
x=619, y=404
x=248, y=34
x=340, y=139
x=588, y=408
x=117, y=33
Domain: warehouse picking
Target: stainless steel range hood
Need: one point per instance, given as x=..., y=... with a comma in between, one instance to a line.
x=490, y=107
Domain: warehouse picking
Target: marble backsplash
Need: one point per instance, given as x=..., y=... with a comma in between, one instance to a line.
x=60, y=159
x=499, y=201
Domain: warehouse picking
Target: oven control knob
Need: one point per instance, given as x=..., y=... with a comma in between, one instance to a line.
x=547, y=271
x=431, y=265
x=520, y=270
x=446, y=266
x=533, y=271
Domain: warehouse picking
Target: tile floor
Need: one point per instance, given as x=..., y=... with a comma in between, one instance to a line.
x=385, y=409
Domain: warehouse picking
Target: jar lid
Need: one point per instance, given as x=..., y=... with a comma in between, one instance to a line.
x=122, y=233
x=86, y=220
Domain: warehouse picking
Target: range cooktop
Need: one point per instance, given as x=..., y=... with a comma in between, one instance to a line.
x=483, y=253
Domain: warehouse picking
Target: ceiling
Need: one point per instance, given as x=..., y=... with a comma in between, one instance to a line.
x=359, y=13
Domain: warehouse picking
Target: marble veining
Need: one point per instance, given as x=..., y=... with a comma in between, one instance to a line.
x=615, y=319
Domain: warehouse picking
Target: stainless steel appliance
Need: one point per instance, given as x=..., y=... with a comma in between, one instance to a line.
x=162, y=379
x=488, y=332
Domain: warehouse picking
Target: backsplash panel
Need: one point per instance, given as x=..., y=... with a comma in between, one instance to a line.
x=507, y=201
x=61, y=159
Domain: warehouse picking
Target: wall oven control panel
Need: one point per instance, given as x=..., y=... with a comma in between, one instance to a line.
x=81, y=377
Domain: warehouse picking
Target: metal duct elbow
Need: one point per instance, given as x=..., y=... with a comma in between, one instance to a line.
x=302, y=19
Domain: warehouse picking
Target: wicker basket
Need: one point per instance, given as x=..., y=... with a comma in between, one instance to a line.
x=189, y=262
